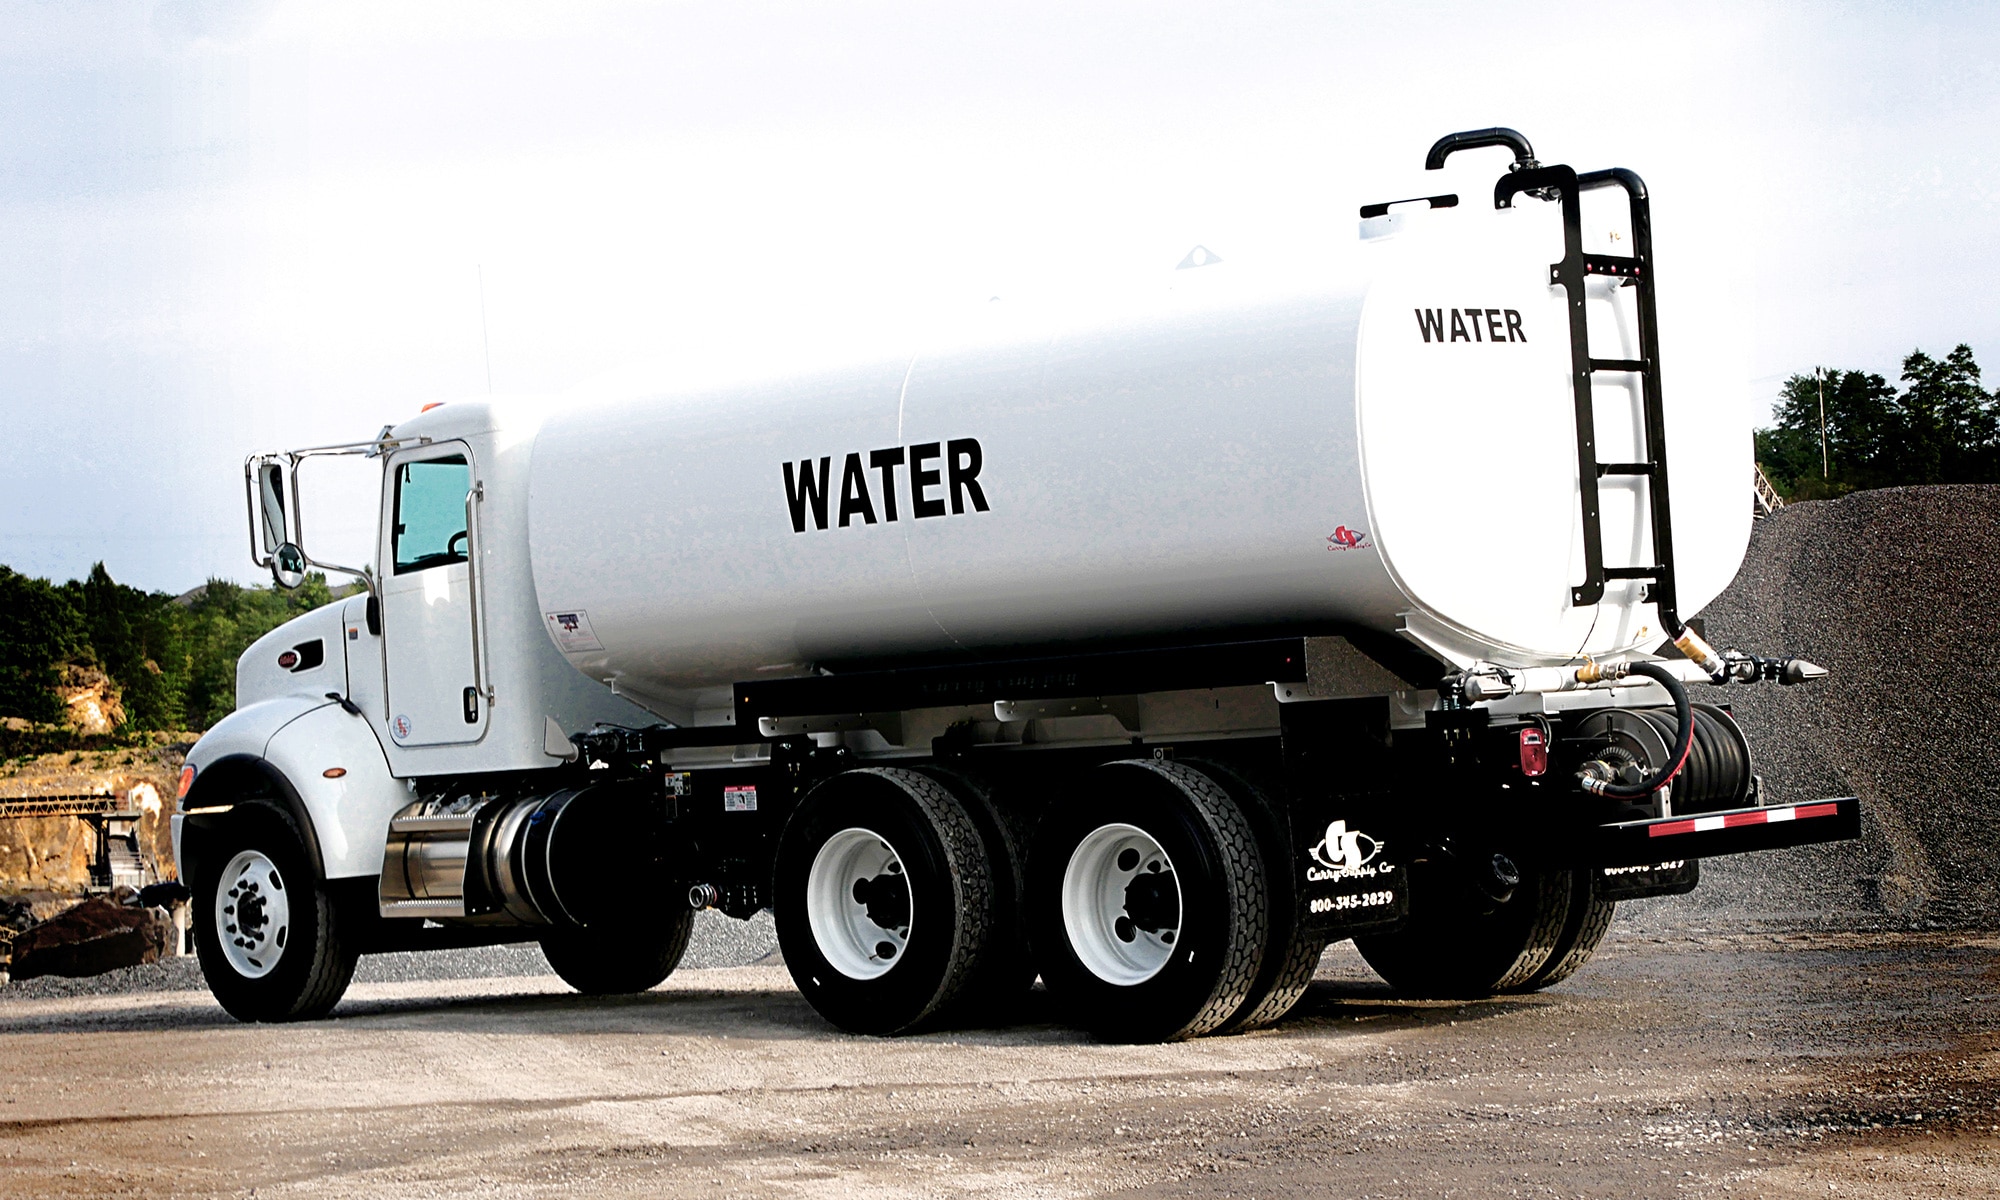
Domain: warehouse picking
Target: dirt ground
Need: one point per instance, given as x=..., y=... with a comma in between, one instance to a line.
x=1757, y=1065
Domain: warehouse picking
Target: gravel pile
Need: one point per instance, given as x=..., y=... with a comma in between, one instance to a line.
x=1897, y=593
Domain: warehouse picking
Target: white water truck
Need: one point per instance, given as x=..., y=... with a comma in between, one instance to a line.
x=1147, y=658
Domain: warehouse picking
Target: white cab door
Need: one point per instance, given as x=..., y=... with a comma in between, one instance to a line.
x=429, y=612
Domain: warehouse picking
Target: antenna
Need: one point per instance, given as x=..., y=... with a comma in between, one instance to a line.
x=485, y=342
x=1821, y=385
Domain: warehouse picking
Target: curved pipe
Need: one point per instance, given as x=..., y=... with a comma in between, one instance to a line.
x=1472, y=139
x=1683, y=743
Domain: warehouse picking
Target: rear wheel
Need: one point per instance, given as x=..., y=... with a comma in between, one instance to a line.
x=267, y=932
x=1588, y=921
x=1148, y=903
x=1460, y=944
x=622, y=957
x=1291, y=955
x=1005, y=971
x=884, y=899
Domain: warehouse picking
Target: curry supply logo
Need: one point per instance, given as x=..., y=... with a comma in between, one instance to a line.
x=1344, y=538
x=400, y=727
x=1346, y=854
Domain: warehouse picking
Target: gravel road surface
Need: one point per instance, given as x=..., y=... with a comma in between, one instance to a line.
x=1819, y=1022
x=1752, y=1065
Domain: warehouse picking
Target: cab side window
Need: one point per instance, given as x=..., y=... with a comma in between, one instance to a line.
x=430, y=513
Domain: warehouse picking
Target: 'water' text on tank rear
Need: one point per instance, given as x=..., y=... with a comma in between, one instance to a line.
x=1471, y=324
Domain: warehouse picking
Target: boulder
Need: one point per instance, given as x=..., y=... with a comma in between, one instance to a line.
x=91, y=938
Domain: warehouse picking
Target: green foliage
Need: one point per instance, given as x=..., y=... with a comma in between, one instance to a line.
x=40, y=630
x=1943, y=427
x=222, y=621
x=174, y=662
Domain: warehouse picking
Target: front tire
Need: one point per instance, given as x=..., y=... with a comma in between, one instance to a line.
x=884, y=899
x=620, y=959
x=267, y=933
x=1148, y=901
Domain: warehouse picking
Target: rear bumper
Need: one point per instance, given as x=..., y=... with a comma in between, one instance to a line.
x=1707, y=835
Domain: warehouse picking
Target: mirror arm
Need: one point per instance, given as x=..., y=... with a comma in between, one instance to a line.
x=364, y=574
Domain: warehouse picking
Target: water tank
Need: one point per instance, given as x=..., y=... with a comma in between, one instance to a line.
x=1393, y=448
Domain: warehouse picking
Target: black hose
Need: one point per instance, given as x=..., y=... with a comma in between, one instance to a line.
x=1683, y=743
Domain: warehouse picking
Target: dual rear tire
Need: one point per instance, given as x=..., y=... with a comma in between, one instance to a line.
x=903, y=902
x=1459, y=944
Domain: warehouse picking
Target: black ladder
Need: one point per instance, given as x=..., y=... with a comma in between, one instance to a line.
x=1564, y=185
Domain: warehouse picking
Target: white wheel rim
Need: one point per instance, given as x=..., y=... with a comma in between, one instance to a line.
x=1099, y=894
x=253, y=914
x=856, y=884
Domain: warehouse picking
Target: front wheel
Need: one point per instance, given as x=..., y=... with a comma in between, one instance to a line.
x=267, y=934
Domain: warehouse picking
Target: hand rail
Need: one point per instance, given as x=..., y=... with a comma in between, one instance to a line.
x=472, y=581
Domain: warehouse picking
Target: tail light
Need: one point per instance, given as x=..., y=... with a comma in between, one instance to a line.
x=1534, y=753
x=187, y=781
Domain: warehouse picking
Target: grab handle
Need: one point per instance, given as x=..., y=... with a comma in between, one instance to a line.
x=1472, y=139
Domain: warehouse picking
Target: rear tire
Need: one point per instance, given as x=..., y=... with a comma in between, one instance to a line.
x=1290, y=955
x=267, y=933
x=1460, y=945
x=1005, y=972
x=620, y=959
x=884, y=899
x=1148, y=903
x=1589, y=920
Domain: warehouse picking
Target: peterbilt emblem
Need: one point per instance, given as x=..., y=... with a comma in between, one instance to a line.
x=1345, y=851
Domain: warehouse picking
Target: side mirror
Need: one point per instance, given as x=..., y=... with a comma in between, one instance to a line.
x=288, y=566
x=275, y=528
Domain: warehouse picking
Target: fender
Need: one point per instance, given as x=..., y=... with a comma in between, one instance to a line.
x=226, y=764
x=284, y=748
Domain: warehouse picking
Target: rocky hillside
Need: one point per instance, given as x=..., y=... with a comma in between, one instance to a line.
x=50, y=856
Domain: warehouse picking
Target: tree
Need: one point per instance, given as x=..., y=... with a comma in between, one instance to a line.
x=139, y=641
x=40, y=630
x=1942, y=428
x=1951, y=428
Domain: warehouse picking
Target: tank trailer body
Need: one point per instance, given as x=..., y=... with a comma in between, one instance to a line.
x=1147, y=657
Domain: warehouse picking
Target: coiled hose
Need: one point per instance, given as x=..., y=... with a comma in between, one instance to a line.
x=1599, y=778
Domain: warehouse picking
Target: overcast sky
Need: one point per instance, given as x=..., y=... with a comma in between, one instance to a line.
x=228, y=225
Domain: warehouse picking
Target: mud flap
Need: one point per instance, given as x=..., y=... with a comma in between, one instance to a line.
x=1638, y=883
x=1349, y=854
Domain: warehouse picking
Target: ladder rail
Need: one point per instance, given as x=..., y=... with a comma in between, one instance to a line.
x=1564, y=185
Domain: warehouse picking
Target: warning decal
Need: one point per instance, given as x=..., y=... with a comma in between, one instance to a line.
x=572, y=631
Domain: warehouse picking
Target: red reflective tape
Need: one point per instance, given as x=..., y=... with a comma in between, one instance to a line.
x=1755, y=816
